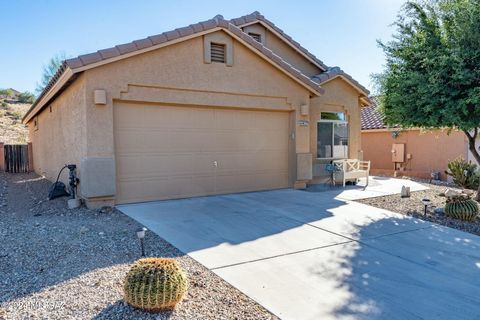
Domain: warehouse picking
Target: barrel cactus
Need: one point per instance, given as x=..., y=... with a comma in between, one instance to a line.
x=461, y=207
x=155, y=284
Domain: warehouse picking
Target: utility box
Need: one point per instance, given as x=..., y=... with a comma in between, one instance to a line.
x=398, y=152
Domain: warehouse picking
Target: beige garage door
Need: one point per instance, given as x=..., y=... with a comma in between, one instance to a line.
x=165, y=152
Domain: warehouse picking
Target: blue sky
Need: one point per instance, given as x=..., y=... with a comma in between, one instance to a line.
x=339, y=32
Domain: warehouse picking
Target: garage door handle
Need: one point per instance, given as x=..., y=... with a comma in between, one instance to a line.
x=215, y=164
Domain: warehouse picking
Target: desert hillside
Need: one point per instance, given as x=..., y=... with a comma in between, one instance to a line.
x=12, y=131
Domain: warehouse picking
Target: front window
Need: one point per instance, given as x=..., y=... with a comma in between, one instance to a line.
x=332, y=136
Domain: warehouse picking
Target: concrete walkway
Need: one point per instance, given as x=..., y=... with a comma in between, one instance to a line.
x=310, y=255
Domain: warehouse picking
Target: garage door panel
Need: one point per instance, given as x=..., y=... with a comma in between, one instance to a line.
x=164, y=188
x=127, y=117
x=275, y=121
x=185, y=186
x=234, y=120
x=235, y=161
x=192, y=141
x=236, y=141
x=166, y=152
x=163, y=165
x=242, y=182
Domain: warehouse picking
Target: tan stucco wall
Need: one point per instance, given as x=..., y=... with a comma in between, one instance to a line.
x=339, y=97
x=431, y=151
x=61, y=135
x=289, y=54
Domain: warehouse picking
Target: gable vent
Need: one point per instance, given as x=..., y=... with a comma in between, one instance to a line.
x=217, y=52
x=255, y=36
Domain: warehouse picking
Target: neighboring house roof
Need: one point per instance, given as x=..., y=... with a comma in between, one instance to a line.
x=71, y=68
x=372, y=119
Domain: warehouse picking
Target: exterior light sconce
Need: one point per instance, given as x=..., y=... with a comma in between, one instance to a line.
x=395, y=134
x=425, y=202
x=100, y=97
x=304, y=110
x=141, y=237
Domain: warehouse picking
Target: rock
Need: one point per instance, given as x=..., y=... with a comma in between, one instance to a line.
x=449, y=193
x=84, y=229
x=468, y=192
x=101, y=233
x=106, y=209
x=439, y=211
x=405, y=193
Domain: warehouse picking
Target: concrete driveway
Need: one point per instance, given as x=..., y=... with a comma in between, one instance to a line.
x=311, y=255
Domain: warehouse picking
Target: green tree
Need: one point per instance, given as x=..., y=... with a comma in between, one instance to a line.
x=26, y=97
x=432, y=74
x=49, y=70
x=8, y=93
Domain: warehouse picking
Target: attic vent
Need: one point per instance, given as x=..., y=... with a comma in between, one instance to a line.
x=217, y=52
x=255, y=36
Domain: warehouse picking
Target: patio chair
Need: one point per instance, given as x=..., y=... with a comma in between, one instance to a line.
x=347, y=169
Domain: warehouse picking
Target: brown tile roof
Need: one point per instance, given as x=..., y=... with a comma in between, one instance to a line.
x=257, y=16
x=372, y=119
x=334, y=72
x=217, y=21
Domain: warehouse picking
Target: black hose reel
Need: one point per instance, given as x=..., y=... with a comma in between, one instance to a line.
x=58, y=188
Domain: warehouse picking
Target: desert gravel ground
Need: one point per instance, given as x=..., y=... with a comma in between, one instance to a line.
x=413, y=207
x=57, y=263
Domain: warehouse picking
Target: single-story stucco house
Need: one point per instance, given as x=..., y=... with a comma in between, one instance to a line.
x=219, y=106
x=409, y=152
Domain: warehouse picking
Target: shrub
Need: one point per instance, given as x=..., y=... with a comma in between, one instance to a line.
x=461, y=207
x=464, y=174
x=7, y=93
x=155, y=284
x=26, y=97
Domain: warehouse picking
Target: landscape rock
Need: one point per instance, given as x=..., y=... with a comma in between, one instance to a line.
x=413, y=207
x=84, y=229
x=54, y=272
x=450, y=193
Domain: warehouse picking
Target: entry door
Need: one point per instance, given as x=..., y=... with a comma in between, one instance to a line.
x=167, y=152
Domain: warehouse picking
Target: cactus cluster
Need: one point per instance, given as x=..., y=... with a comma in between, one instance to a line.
x=155, y=284
x=461, y=207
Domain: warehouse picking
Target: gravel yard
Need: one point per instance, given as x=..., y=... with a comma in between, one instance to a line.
x=70, y=264
x=413, y=207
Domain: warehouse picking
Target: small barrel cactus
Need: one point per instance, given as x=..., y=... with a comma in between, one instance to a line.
x=155, y=284
x=461, y=207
